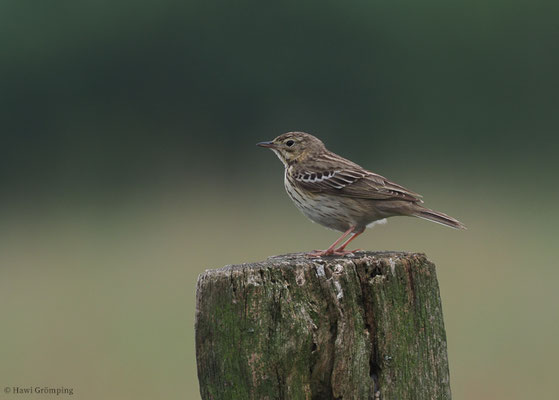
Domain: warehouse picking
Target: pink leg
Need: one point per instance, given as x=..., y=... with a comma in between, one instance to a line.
x=332, y=249
x=342, y=250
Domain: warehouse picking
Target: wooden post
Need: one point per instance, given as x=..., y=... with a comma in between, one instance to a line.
x=366, y=326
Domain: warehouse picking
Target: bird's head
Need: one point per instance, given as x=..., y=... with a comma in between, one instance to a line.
x=293, y=147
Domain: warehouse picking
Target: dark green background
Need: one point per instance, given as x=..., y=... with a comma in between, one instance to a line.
x=98, y=95
x=128, y=166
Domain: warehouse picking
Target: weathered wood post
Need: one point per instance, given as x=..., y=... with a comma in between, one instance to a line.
x=365, y=326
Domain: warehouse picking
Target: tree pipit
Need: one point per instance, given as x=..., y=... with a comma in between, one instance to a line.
x=341, y=195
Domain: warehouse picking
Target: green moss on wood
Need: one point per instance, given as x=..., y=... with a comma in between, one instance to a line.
x=297, y=328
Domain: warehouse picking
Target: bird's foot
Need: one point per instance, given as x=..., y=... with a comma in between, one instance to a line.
x=342, y=252
x=330, y=252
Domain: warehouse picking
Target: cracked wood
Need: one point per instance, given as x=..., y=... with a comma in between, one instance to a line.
x=365, y=326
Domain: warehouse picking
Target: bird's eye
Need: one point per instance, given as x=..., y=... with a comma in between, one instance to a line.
x=289, y=143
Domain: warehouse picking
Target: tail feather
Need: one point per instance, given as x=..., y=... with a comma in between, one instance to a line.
x=439, y=218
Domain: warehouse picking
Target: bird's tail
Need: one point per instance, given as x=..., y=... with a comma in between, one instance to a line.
x=438, y=217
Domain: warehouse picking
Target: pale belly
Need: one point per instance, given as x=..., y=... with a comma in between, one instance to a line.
x=338, y=213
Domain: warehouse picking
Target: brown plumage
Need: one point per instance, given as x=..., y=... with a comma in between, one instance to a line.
x=341, y=195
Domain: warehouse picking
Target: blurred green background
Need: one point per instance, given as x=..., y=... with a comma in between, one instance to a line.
x=128, y=167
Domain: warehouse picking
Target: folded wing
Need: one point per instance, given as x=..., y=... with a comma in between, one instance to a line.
x=350, y=180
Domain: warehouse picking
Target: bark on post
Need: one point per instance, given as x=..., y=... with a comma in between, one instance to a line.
x=366, y=326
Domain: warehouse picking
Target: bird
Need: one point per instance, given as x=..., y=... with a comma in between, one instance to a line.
x=340, y=194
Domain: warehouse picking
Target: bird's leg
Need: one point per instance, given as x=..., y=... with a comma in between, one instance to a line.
x=341, y=250
x=332, y=249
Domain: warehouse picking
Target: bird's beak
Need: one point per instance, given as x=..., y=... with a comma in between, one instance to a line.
x=269, y=145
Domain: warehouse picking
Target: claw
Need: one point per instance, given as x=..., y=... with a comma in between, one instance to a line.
x=340, y=251
x=317, y=253
x=337, y=252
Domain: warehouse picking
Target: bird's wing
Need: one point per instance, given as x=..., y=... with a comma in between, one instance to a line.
x=350, y=180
